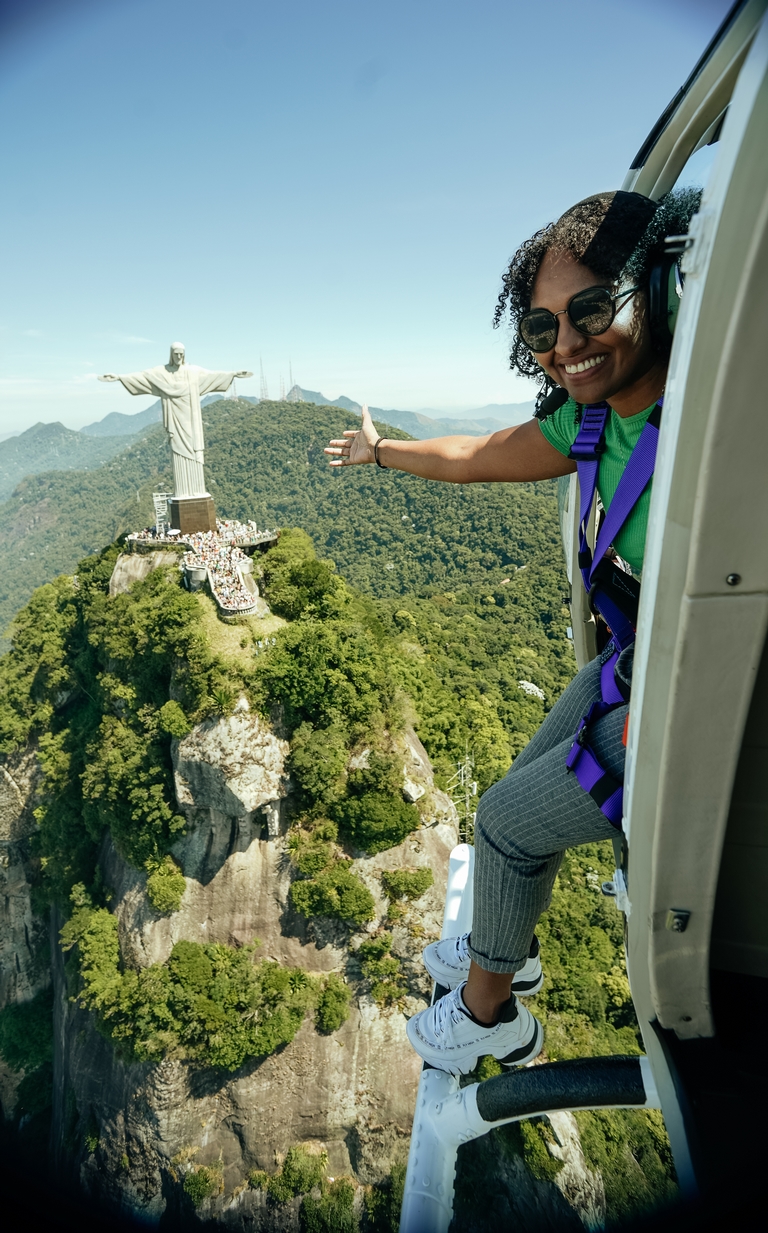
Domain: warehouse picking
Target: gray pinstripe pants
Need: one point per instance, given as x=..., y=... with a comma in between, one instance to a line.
x=526, y=820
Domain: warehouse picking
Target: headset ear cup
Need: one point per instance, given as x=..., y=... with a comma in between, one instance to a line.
x=665, y=289
x=674, y=295
x=656, y=320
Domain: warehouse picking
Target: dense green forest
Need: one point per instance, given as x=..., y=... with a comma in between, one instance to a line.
x=387, y=533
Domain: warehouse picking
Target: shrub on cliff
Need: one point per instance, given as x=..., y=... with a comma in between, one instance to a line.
x=301, y=1171
x=333, y=1212
x=211, y=1004
x=165, y=885
x=406, y=883
x=376, y=820
x=26, y=1033
x=373, y=815
x=332, y=1005
x=318, y=762
x=382, y=969
x=384, y=1201
x=203, y=1182
x=328, y=887
x=336, y=891
x=26, y=1046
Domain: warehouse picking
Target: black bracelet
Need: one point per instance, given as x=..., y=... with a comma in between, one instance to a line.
x=379, y=463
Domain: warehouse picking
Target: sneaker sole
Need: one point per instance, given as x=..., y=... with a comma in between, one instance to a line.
x=521, y=988
x=464, y=1066
x=520, y=1057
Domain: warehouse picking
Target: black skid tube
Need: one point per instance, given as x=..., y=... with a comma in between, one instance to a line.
x=585, y=1083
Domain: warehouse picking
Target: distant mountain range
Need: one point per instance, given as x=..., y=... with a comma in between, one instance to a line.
x=52, y=447
x=419, y=424
x=122, y=424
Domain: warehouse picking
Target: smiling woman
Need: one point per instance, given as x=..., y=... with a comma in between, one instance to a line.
x=592, y=299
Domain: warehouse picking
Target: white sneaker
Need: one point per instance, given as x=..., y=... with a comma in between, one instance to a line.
x=446, y=1035
x=448, y=964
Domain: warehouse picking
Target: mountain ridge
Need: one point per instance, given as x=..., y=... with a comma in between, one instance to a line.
x=49, y=446
x=420, y=424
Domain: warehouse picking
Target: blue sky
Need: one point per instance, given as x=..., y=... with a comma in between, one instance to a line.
x=332, y=184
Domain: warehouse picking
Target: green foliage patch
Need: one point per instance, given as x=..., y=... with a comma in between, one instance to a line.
x=26, y=1033
x=165, y=885
x=333, y=1212
x=337, y=892
x=407, y=883
x=535, y=1134
x=384, y=1201
x=631, y=1150
x=89, y=679
x=382, y=969
x=332, y=1005
x=204, y=1182
x=585, y=1003
x=26, y=1045
x=328, y=887
x=301, y=1171
x=210, y=1004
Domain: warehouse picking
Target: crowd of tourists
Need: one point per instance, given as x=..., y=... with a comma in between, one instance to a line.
x=224, y=562
x=218, y=553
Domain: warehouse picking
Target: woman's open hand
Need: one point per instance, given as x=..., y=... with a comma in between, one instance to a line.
x=356, y=445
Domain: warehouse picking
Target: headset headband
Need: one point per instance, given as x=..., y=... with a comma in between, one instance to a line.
x=620, y=231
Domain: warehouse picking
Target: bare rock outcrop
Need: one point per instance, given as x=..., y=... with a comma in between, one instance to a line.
x=132, y=567
x=234, y=765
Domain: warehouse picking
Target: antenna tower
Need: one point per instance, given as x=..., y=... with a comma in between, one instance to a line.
x=462, y=789
x=264, y=391
x=282, y=388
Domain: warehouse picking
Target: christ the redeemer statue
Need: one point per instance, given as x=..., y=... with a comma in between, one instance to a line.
x=180, y=386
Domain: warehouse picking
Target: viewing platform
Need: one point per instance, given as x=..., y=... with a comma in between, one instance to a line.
x=221, y=558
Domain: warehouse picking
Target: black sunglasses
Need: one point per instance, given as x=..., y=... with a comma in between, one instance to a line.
x=590, y=312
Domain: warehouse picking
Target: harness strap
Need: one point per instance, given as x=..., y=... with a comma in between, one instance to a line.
x=605, y=790
x=635, y=478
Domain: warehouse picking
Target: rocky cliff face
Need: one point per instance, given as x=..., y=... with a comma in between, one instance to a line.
x=351, y=1092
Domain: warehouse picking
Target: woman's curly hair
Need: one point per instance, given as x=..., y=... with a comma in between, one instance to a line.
x=618, y=235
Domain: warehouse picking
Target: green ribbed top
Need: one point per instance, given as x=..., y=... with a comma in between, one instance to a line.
x=621, y=437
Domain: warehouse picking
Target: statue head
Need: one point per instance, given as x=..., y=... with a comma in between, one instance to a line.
x=177, y=354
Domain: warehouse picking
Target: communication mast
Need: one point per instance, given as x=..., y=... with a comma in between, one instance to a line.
x=462, y=789
x=282, y=388
x=264, y=395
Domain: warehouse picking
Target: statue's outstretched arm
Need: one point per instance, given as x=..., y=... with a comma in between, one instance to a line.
x=133, y=382
x=243, y=375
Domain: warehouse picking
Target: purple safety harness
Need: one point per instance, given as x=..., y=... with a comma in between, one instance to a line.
x=607, y=792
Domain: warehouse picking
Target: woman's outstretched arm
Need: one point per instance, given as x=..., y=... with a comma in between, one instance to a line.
x=512, y=454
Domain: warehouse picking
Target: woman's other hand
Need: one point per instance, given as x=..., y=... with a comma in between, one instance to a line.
x=356, y=446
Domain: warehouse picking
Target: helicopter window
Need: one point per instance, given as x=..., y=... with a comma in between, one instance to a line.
x=698, y=169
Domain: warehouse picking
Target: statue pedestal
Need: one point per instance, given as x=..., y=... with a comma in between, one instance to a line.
x=193, y=514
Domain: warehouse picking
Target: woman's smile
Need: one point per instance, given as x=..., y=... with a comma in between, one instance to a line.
x=573, y=369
